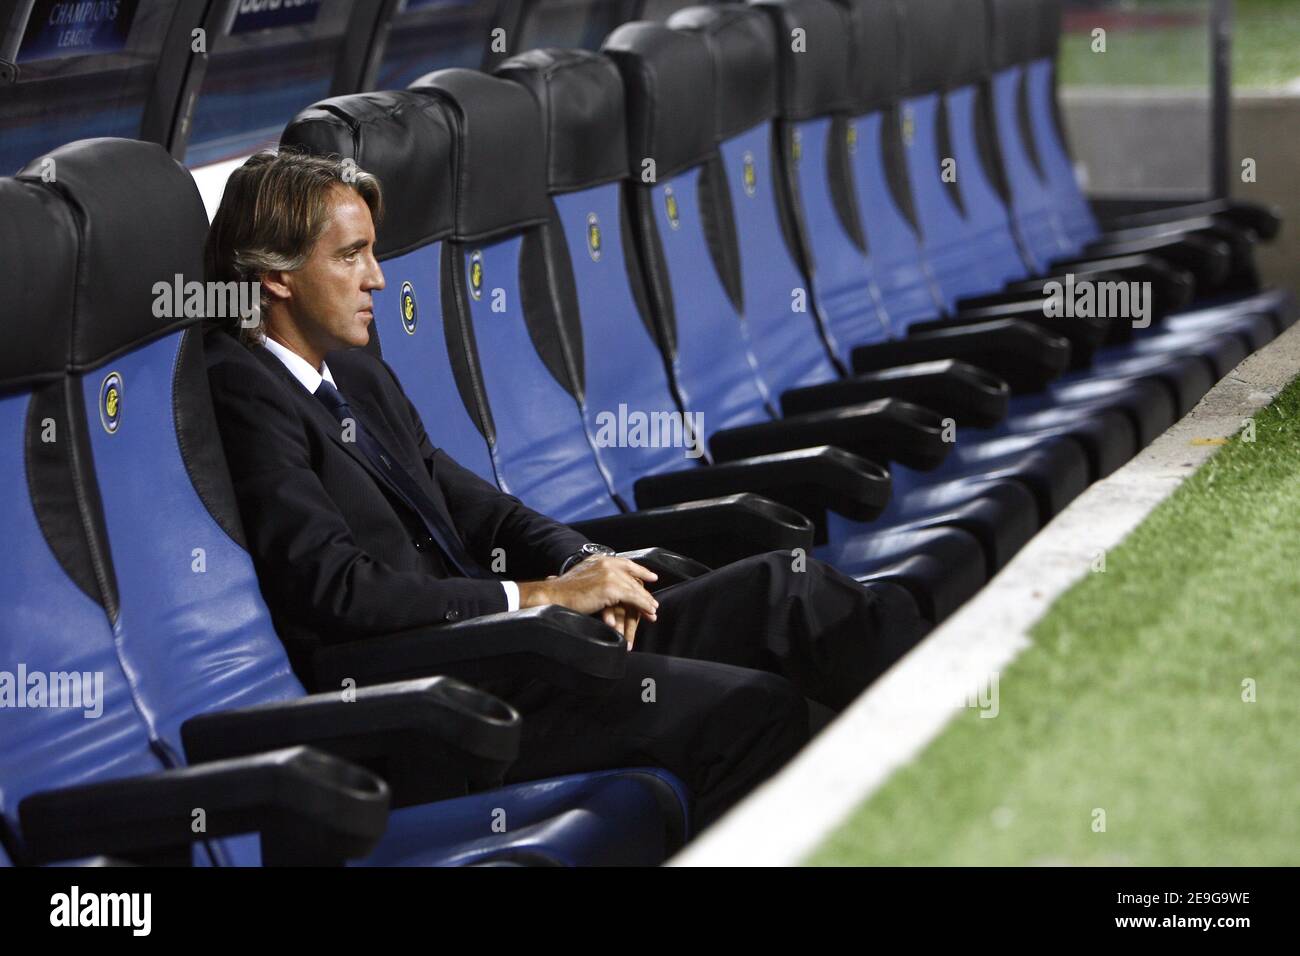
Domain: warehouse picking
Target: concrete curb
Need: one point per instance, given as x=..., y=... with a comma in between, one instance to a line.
x=885, y=728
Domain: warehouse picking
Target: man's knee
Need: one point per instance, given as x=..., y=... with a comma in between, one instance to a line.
x=767, y=700
x=789, y=574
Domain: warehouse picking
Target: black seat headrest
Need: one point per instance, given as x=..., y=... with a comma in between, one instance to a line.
x=38, y=258
x=1047, y=32
x=875, y=36
x=968, y=22
x=580, y=96
x=1013, y=32
x=945, y=45
x=814, y=79
x=404, y=140
x=498, y=154
x=668, y=83
x=930, y=29
x=140, y=221
x=743, y=44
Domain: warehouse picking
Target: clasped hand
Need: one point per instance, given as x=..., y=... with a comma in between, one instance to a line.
x=607, y=585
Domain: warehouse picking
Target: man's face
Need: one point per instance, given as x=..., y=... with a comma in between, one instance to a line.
x=330, y=295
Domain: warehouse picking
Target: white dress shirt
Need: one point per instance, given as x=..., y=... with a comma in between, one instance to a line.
x=310, y=379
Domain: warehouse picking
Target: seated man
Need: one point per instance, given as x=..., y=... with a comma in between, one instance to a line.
x=359, y=525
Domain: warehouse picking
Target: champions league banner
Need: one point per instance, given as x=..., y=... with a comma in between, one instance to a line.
x=60, y=28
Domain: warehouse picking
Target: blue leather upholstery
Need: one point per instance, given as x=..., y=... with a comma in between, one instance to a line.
x=785, y=340
x=612, y=817
x=1077, y=224
x=53, y=626
x=543, y=455
x=1039, y=212
x=189, y=631
x=627, y=368
x=903, y=273
x=717, y=371
x=412, y=335
x=193, y=630
x=842, y=274
x=948, y=239
x=603, y=818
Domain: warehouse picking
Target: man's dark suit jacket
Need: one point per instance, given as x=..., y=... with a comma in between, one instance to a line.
x=339, y=556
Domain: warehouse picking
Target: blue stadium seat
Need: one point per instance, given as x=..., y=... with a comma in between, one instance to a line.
x=1045, y=197
x=961, y=241
x=949, y=123
x=601, y=318
x=759, y=257
x=55, y=589
x=526, y=437
x=498, y=287
x=188, y=625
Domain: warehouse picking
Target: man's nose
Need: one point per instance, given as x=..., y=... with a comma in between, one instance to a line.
x=375, y=276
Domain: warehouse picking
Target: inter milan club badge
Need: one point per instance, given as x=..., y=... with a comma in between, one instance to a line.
x=110, y=402
x=593, y=237
x=476, y=275
x=670, y=207
x=409, y=312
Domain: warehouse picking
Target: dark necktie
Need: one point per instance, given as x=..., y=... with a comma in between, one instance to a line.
x=402, y=483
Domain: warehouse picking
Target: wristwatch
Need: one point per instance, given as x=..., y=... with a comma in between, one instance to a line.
x=582, y=554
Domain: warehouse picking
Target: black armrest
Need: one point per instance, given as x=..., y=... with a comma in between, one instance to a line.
x=968, y=394
x=886, y=429
x=809, y=479
x=428, y=739
x=1208, y=260
x=1021, y=353
x=1172, y=287
x=671, y=568
x=309, y=808
x=1264, y=221
x=716, y=531
x=1240, y=240
x=562, y=647
x=1083, y=334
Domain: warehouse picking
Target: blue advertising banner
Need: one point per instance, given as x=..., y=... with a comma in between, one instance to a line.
x=59, y=28
x=253, y=15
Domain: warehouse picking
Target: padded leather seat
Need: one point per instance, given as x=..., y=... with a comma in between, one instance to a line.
x=142, y=543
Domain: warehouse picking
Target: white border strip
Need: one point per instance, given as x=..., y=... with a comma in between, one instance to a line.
x=790, y=815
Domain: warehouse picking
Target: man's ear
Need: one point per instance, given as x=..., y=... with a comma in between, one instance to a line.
x=277, y=285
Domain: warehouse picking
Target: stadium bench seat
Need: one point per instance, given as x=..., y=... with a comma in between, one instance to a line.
x=133, y=526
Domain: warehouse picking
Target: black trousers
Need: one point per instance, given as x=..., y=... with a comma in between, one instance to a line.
x=717, y=689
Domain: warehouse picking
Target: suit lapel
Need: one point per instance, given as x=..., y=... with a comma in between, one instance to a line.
x=320, y=414
x=368, y=407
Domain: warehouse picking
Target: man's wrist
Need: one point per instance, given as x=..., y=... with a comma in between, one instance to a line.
x=534, y=594
x=588, y=550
